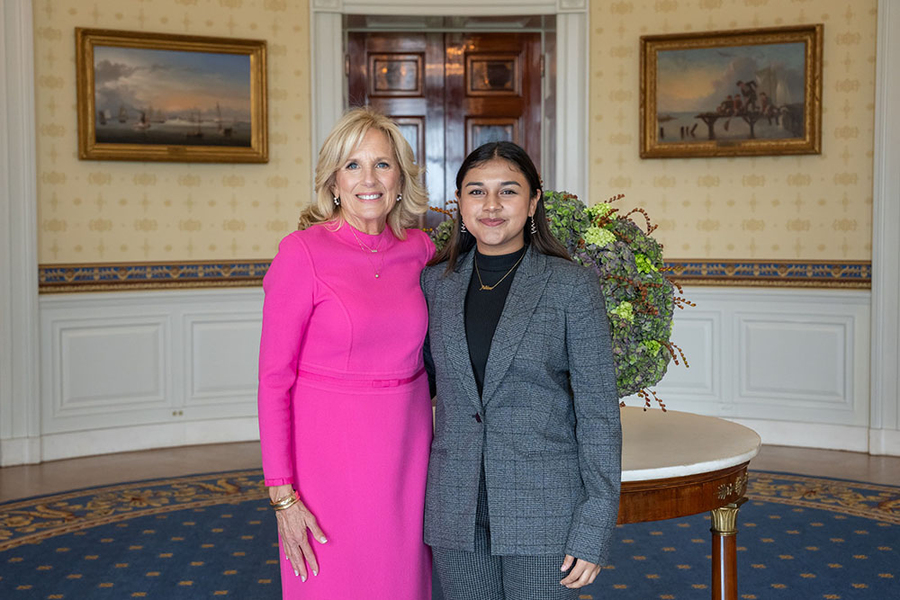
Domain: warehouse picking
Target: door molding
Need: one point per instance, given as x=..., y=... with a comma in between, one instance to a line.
x=572, y=25
x=19, y=383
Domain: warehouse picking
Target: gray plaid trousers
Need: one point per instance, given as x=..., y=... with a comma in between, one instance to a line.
x=480, y=576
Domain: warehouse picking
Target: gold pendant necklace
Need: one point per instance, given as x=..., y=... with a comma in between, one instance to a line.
x=363, y=245
x=489, y=288
x=368, y=250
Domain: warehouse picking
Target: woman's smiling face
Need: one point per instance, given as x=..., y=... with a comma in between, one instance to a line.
x=495, y=202
x=368, y=183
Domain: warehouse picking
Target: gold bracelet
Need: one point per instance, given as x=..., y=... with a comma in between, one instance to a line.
x=285, y=505
x=285, y=502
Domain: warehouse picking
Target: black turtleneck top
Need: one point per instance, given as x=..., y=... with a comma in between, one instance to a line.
x=484, y=307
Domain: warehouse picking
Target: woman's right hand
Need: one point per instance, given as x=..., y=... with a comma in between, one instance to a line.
x=293, y=523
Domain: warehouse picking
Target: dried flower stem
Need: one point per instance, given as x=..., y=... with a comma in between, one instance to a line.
x=650, y=226
x=672, y=347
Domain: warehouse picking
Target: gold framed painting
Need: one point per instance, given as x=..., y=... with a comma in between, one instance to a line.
x=165, y=97
x=746, y=92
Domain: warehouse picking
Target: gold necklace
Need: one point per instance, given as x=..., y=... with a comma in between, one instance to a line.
x=363, y=247
x=491, y=287
x=361, y=243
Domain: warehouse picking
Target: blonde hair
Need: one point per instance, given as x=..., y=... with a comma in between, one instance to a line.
x=346, y=136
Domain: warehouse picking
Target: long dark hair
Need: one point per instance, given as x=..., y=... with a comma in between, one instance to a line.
x=462, y=242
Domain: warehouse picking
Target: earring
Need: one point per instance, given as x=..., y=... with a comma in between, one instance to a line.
x=533, y=226
x=337, y=200
x=462, y=227
x=399, y=197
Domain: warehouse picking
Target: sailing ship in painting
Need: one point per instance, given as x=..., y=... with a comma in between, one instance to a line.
x=731, y=94
x=157, y=126
x=164, y=97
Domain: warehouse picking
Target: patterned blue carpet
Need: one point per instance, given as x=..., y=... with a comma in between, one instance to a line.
x=210, y=536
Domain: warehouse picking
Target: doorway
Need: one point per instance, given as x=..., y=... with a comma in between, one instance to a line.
x=452, y=87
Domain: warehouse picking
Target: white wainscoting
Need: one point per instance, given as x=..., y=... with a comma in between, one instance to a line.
x=791, y=364
x=135, y=370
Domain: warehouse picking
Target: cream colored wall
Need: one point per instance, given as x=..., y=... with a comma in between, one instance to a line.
x=805, y=207
x=814, y=207
x=110, y=211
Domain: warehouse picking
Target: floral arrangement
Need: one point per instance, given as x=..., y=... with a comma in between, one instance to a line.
x=640, y=298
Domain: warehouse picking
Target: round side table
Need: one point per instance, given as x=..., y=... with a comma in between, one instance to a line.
x=677, y=464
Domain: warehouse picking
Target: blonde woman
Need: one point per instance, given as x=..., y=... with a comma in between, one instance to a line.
x=344, y=408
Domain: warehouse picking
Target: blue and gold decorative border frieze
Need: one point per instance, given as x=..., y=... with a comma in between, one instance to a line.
x=137, y=276
x=142, y=276
x=773, y=273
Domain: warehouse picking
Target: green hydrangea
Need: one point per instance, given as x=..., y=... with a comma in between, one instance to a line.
x=599, y=210
x=644, y=264
x=653, y=346
x=625, y=310
x=599, y=236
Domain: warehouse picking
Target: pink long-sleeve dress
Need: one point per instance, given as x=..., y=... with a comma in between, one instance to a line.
x=344, y=408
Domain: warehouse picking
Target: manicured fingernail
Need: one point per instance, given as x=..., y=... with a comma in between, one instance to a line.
x=303, y=578
x=323, y=539
x=316, y=573
x=296, y=573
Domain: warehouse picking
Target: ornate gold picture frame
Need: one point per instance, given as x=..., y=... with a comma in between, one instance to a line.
x=746, y=92
x=164, y=97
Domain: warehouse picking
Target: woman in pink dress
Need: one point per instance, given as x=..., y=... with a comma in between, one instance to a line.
x=344, y=408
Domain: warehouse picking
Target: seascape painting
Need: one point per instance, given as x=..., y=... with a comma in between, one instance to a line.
x=746, y=92
x=166, y=97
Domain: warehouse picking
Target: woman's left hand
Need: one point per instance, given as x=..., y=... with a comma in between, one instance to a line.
x=582, y=573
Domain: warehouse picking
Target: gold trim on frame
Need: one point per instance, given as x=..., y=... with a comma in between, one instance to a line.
x=90, y=149
x=811, y=143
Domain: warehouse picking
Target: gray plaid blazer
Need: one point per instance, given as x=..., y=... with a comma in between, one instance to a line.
x=547, y=425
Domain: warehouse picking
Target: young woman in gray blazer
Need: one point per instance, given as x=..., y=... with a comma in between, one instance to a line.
x=523, y=481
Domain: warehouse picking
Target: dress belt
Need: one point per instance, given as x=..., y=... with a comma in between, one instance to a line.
x=363, y=383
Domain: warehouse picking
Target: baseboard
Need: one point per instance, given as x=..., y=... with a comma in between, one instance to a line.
x=885, y=442
x=145, y=437
x=809, y=435
x=20, y=451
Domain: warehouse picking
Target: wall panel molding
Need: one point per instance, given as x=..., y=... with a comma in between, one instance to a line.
x=221, y=354
x=790, y=360
x=167, y=365
x=699, y=333
x=104, y=366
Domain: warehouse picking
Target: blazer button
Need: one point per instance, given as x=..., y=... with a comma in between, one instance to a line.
x=477, y=417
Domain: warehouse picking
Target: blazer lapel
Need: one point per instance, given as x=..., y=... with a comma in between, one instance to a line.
x=524, y=293
x=452, y=293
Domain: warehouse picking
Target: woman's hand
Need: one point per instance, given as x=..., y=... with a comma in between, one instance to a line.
x=293, y=523
x=582, y=573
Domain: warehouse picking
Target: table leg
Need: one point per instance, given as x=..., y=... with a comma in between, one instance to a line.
x=724, y=551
